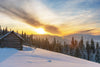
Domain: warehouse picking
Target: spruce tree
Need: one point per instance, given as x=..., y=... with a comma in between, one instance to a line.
x=97, y=57
x=65, y=48
x=54, y=44
x=57, y=47
x=78, y=53
x=81, y=44
x=72, y=47
x=92, y=46
x=88, y=49
x=6, y=30
x=72, y=42
x=0, y=30
x=22, y=34
x=97, y=45
x=47, y=43
x=76, y=43
x=82, y=48
x=3, y=31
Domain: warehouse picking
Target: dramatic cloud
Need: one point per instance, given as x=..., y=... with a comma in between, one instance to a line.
x=17, y=12
x=52, y=29
x=86, y=31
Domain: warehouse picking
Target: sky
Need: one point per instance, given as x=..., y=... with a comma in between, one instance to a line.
x=61, y=17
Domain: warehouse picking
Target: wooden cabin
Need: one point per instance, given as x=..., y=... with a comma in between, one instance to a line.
x=11, y=40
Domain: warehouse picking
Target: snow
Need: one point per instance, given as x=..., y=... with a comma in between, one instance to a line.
x=31, y=57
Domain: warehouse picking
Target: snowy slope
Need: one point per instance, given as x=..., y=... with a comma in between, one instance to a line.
x=39, y=58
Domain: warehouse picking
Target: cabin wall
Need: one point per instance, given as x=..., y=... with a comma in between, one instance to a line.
x=11, y=41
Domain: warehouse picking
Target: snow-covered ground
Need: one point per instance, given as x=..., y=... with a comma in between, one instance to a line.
x=31, y=57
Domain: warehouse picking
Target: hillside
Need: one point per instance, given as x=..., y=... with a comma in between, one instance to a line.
x=31, y=57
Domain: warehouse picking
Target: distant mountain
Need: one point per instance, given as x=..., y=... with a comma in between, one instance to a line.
x=68, y=38
x=86, y=37
x=50, y=38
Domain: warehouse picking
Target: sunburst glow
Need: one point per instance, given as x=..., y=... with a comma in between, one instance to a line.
x=40, y=31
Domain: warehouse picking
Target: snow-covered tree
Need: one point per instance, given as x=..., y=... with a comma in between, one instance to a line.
x=92, y=46
x=82, y=48
x=97, y=56
x=78, y=53
x=88, y=49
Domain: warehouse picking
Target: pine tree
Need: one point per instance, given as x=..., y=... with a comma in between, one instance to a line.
x=47, y=43
x=81, y=44
x=97, y=57
x=76, y=44
x=30, y=39
x=54, y=41
x=57, y=47
x=71, y=51
x=53, y=44
x=88, y=49
x=73, y=46
x=3, y=31
x=92, y=46
x=72, y=42
x=22, y=34
x=6, y=30
x=78, y=53
x=0, y=30
x=97, y=45
x=65, y=48
x=82, y=48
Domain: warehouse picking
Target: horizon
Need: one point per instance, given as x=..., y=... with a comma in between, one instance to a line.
x=37, y=34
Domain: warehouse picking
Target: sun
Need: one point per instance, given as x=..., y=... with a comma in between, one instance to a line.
x=40, y=31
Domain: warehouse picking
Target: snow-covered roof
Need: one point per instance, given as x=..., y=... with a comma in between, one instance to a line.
x=10, y=33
